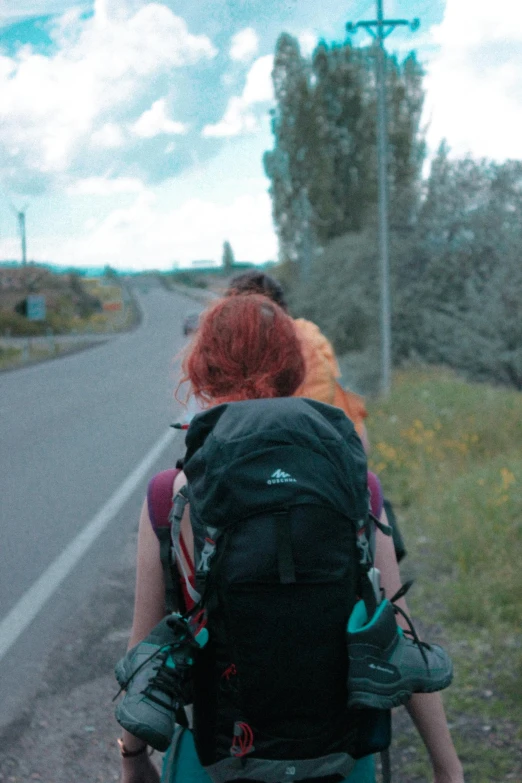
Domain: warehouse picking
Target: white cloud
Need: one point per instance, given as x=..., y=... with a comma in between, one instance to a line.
x=259, y=87
x=142, y=236
x=236, y=120
x=104, y=186
x=109, y=136
x=53, y=107
x=154, y=121
x=244, y=45
x=240, y=116
x=469, y=22
x=7, y=67
x=474, y=83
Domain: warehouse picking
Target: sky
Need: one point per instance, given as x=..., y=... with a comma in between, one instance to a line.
x=132, y=132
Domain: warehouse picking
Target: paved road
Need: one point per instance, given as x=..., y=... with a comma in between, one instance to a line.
x=79, y=438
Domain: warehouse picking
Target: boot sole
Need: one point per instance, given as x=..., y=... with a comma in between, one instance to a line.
x=386, y=699
x=130, y=723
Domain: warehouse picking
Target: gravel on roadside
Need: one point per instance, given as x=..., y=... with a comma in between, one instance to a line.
x=68, y=731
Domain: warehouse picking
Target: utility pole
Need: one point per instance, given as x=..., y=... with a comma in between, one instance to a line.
x=21, y=224
x=380, y=28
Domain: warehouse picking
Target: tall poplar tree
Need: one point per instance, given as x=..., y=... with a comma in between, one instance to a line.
x=325, y=141
x=228, y=257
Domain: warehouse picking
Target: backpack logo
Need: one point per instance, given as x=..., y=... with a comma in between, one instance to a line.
x=280, y=477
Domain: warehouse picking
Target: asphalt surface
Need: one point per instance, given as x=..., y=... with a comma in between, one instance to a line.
x=74, y=433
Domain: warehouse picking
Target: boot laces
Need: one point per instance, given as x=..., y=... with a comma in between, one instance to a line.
x=410, y=631
x=166, y=678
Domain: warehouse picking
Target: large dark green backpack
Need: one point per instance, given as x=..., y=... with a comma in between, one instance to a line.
x=280, y=514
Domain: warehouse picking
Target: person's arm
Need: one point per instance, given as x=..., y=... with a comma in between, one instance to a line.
x=149, y=609
x=149, y=598
x=427, y=713
x=425, y=709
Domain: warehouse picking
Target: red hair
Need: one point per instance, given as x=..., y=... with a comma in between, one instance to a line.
x=246, y=348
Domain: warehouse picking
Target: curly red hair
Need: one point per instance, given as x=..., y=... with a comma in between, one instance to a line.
x=246, y=348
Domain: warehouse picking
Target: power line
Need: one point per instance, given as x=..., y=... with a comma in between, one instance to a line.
x=380, y=28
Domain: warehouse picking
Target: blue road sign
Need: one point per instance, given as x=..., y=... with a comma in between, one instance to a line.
x=35, y=308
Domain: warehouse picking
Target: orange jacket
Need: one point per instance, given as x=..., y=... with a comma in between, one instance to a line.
x=322, y=372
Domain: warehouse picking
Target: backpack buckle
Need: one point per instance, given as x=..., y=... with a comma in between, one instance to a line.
x=208, y=551
x=364, y=549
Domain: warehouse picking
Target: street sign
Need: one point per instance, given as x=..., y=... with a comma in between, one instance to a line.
x=35, y=308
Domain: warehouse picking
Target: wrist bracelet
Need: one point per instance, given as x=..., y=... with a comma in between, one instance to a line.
x=128, y=754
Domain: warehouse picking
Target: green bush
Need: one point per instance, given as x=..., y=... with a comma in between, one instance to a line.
x=341, y=294
x=18, y=326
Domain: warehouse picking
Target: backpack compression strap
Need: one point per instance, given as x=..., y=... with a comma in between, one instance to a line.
x=365, y=539
x=178, y=553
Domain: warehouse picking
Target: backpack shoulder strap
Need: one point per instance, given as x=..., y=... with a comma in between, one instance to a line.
x=159, y=503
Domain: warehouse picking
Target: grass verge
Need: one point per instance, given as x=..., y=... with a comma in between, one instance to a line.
x=448, y=454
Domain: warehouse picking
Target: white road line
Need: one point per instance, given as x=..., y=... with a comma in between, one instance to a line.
x=30, y=604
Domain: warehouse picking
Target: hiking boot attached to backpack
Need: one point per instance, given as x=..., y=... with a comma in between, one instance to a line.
x=156, y=675
x=385, y=665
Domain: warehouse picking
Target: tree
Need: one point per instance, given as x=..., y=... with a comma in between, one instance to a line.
x=324, y=155
x=287, y=164
x=228, y=258
x=461, y=304
x=110, y=273
x=456, y=276
x=85, y=303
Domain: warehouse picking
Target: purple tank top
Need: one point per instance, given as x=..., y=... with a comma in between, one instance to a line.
x=374, y=485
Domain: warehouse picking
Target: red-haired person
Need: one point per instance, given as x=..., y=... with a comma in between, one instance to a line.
x=322, y=375
x=247, y=348
x=244, y=350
